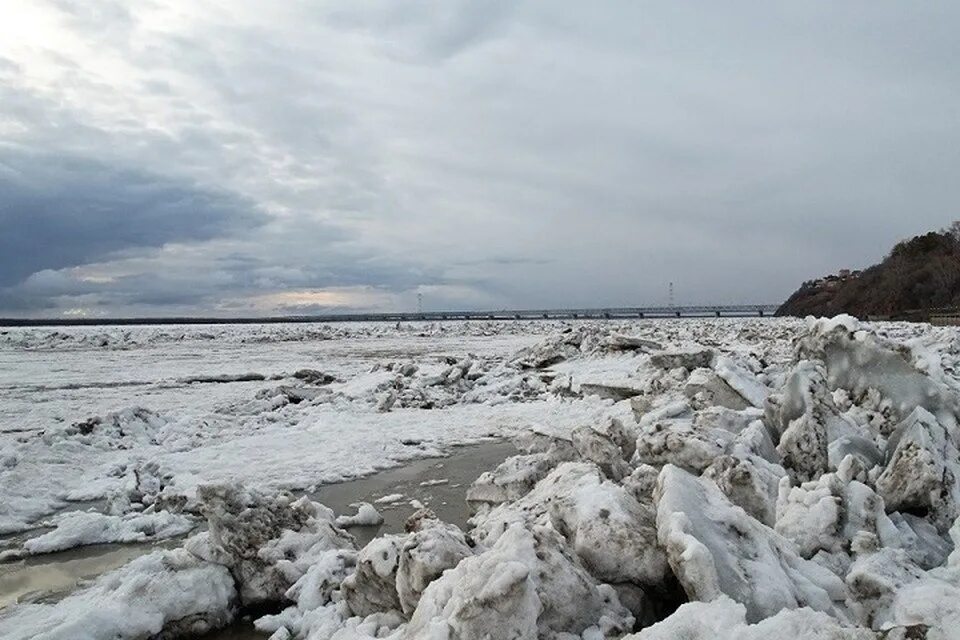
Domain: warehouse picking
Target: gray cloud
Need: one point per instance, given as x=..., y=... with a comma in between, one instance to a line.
x=59, y=211
x=488, y=153
x=424, y=32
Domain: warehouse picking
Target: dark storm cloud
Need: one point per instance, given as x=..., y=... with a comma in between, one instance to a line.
x=18, y=302
x=59, y=212
x=199, y=279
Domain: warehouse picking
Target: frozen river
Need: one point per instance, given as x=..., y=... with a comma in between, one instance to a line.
x=642, y=444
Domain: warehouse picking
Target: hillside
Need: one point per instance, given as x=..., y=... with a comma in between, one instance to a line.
x=919, y=274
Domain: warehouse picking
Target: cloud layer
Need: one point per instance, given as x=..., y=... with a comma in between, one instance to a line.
x=242, y=158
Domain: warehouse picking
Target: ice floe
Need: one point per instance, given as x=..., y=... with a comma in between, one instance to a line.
x=715, y=479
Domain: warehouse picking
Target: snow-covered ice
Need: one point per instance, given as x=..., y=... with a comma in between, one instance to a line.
x=698, y=479
x=366, y=516
x=77, y=528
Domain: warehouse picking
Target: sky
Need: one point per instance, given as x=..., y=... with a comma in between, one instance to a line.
x=235, y=158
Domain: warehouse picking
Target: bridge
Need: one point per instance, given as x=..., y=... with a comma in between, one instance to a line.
x=692, y=311
x=699, y=311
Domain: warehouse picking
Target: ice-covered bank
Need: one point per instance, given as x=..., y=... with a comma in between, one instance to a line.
x=721, y=479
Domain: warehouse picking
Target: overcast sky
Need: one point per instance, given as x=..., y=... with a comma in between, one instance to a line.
x=245, y=158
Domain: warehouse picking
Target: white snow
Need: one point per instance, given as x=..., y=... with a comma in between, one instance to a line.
x=798, y=479
x=78, y=528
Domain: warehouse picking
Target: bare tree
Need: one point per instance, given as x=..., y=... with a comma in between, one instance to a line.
x=954, y=230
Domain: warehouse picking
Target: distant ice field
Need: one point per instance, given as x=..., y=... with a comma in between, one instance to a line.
x=52, y=379
x=83, y=410
x=69, y=373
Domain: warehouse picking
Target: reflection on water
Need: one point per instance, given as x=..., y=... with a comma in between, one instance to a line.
x=414, y=480
x=51, y=576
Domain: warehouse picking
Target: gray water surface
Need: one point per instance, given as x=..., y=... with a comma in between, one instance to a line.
x=437, y=483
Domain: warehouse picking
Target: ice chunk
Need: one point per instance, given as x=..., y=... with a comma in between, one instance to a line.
x=859, y=360
x=921, y=540
x=742, y=381
x=78, y=528
x=682, y=442
x=366, y=516
x=525, y=586
x=609, y=391
x=424, y=556
x=749, y=482
x=921, y=475
x=830, y=513
x=512, y=479
x=312, y=376
x=689, y=359
x=311, y=593
x=533, y=440
x=728, y=419
x=874, y=580
x=223, y=377
x=373, y=586
x=117, y=430
x=620, y=342
x=724, y=619
x=861, y=446
x=755, y=440
x=716, y=549
x=930, y=604
x=601, y=450
x=705, y=389
x=799, y=415
x=268, y=542
x=613, y=534
x=641, y=483
x=804, y=448
x=549, y=352
x=172, y=592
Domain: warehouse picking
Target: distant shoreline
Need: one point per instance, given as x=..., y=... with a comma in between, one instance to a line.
x=697, y=311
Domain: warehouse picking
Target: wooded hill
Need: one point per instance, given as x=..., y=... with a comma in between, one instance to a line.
x=919, y=275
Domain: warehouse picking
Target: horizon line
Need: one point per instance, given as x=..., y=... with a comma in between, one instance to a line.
x=662, y=311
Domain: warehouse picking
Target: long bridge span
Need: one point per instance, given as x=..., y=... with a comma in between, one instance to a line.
x=698, y=311
x=689, y=311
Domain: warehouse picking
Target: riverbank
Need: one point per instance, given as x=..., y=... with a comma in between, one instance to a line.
x=439, y=483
